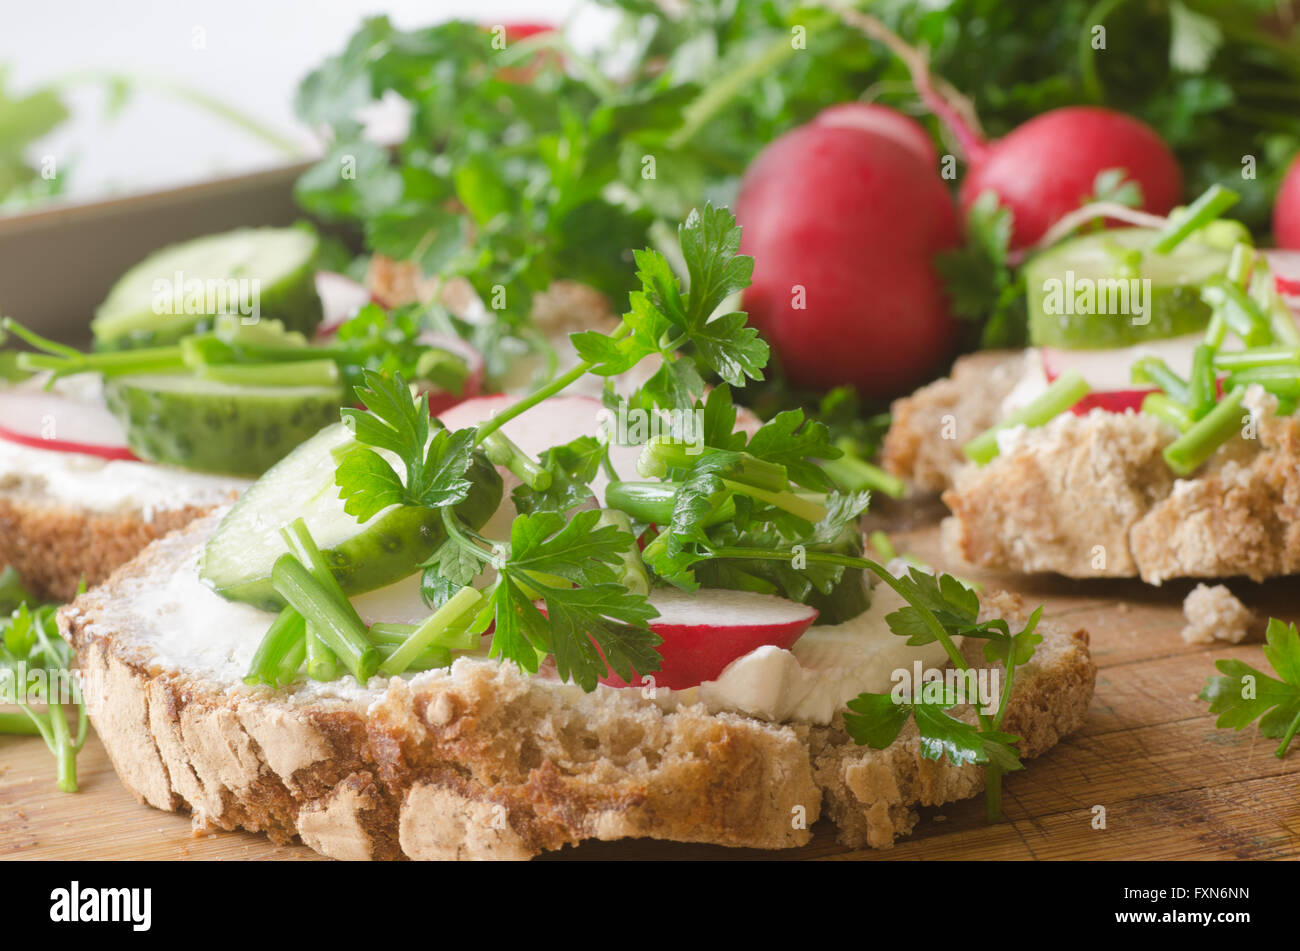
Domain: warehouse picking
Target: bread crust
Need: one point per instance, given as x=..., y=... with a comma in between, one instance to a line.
x=53, y=547
x=483, y=762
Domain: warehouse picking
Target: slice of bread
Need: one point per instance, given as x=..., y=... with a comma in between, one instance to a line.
x=482, y=761
x=1092, y=496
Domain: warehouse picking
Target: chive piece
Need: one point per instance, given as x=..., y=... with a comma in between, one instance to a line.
x=1282, y=381
x=503, y=452
x=1282, y=323
x=1258, y=357
x=287, y=628
x=286, y=671
x=1202, y=387
x=1164, y=408
x=321, y=663
x=458, y=608
x=338, y=627
x=807, y=507
x=427, y=659
x=118, y=363
x=383, y=634
x=298, y=538
x=1216, y=331
x=1154, y=370
x=1186, y=453
x=1052, y=402
x=853, y=474
x=652, y=502
x=1240, y=264
x=293, y=373
x=1213, y=202
x=883, y=546
x=1243, y=316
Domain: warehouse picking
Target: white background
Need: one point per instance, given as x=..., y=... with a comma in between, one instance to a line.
x=255, y=52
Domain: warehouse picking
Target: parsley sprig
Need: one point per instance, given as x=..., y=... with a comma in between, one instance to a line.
x=1246, y=694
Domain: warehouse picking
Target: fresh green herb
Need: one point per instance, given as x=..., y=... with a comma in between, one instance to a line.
x=1212, y=203
x=987, y=291
x=36, y=668
x=1186, y=453
x=1056, y=399
x=1247, y=694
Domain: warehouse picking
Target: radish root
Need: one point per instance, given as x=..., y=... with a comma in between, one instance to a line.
x=955, y=110
x=1067, y=223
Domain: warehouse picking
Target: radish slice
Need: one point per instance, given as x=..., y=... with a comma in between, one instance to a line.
x=704, y=631
x=1285, y=266
x=60, y=423
x=554, y=422
x=340, y=298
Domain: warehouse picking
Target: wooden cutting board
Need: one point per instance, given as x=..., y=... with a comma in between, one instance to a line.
x=1173, y=786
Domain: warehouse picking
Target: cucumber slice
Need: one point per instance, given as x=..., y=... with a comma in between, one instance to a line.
x=182, y=288
x=238, y=559
x=1174, y=306
x=211, y=426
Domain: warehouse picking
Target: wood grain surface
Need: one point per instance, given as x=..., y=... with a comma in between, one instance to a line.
x=1172, y=785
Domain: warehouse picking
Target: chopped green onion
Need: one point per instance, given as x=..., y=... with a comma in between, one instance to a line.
x=444, y=368
x=1240, y=264
x=1258, y=357
x=1167, y=410
x=632, y=574
x=458, y=609
x=662, y=454
x=1213, y=202
x=1242, y=315
x=1282, y=322
x=338, y=626
x=1202, y=388
x=287, y=628
x=1283, y=381
x=853, y=474
x=807, y=507
x=1186, y=453
x=1154, y=370
x=1052, y=402
x=428, y=659
x=321, y=663
x=292, y=373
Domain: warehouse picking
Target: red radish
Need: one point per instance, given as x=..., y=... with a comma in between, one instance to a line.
x=340, y=299
x=1107, y=372
x=1047, y=167
x=1286, y=209
x=881, y=120
x=60, y=423
x=843, y=226
x=704, y=631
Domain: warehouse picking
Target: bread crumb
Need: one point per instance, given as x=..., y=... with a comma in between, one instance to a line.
x=1214, y=613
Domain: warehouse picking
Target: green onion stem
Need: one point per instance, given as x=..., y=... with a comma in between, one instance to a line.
x=883, y=546
x=287, y=628
x=1154, y=370
x=1258, y=357
x=1210, y=205
x=338, y=626
x=852, y=474
x=321, y=663
x=458, y=609
x=1283, y=381
x=291, y=373
x=1186, y=453
x=1202, y=386
x=1168, y=410
x=1067, y=390
x=805, y=507
x=632, y=575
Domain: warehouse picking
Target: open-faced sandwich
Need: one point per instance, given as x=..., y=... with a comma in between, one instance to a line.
x=1150, y=432
x=535, y=620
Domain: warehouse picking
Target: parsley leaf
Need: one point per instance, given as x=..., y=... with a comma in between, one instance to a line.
x=1247, y=694
x=394, y=421
x=985, y=290
x=791, y=439
x=876, y=720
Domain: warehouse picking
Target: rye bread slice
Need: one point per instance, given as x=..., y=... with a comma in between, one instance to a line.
x=481, y=761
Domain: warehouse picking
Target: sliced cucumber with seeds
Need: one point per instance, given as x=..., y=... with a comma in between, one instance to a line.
x=238, y=559
x=184, y=287
x=1172, y=308
x=214, y=426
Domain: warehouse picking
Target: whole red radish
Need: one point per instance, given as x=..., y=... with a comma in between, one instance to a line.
x=882, y=120
x=1286, y=209
x=843, y=226
x=1047, y=167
